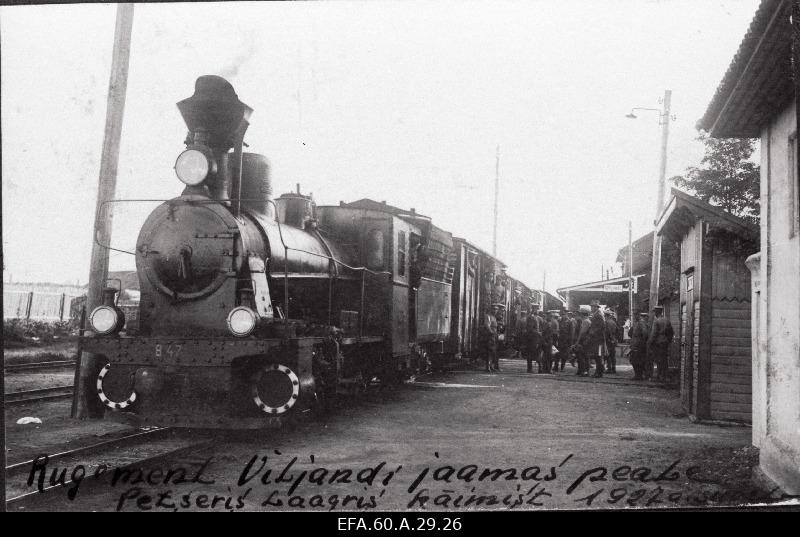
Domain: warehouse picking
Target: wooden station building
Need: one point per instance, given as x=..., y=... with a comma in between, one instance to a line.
x=714, y=298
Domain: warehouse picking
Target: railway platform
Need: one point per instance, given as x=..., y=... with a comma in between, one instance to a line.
x=462, y=440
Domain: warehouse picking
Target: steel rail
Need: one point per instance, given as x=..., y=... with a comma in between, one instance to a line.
x=84, y=449
x=143, y=460
x=41, y=394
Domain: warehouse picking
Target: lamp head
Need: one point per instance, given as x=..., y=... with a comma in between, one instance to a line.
x=631, y=115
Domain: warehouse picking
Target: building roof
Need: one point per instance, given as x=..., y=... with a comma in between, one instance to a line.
x=684, y=210
x=480, y=250
x=758, y=83
x=642, y=254
x=595, y=286
x=372, y=205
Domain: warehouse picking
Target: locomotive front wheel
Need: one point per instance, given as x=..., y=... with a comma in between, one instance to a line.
x=275, y=389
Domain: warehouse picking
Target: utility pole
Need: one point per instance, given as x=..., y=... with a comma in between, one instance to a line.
x=630, y=271
x=662, y=180
x=544, y=281
x=83, y=406
x=496, y=196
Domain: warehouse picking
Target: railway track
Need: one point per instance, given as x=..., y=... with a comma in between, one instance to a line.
x=41, y=394
x=36, y=366
x=133, y=448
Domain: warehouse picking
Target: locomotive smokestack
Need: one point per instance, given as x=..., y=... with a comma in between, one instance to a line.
x=216, y=110
x=217, y=120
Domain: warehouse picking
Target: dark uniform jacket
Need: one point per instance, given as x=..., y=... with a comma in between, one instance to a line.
x=533, y=336
x=564, y=332
x=661, y=333
x=574, y=330
x=639, y=334
x=550, y=332
x=583, y=332
x=611, y=331
x=597, y=333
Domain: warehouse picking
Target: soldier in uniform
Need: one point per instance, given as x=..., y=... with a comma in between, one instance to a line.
x=638, y=333
x=564, y=337
x=547, y=342
x=611, y=341
x=490, y=334
x=661, y=334
x=543, y=326
x=533, y=340
x=555, y=332
x=575, y=328
x=582, y=341
x=597, y=348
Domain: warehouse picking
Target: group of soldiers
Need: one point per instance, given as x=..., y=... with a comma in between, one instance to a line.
x=589, y=335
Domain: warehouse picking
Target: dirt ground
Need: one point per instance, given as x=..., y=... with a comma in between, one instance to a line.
x=460, y=441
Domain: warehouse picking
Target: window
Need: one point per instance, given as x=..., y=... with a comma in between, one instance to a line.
x=401, y=253
x=794, y=188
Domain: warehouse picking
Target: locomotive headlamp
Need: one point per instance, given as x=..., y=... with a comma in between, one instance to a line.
x=105, y=320
x=242, y=321
x=195, y=165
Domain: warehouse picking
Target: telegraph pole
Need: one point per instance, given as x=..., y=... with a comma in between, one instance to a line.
x=544, y=281
x=662, y=180
x=83, y=406
x=496, y=196
x=630, y=271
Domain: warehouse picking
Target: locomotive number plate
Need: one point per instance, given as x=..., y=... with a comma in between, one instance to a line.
x=173, y=351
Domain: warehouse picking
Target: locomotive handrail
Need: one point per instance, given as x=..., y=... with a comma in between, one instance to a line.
x=362, y=269
x=204, y=201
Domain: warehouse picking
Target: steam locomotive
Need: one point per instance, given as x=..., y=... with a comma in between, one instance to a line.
x=255, y=309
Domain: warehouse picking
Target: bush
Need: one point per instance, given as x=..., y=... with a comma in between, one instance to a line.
x=30, y=332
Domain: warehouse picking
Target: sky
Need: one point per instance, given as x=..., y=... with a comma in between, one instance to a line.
x=405, y=102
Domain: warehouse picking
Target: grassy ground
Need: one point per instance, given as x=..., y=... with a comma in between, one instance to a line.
x=60, y=350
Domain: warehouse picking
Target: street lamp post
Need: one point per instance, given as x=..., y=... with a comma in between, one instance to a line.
x=664, y=119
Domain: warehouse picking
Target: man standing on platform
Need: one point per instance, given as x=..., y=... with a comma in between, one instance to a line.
x=575, y=329
x=638, y=346
x=611, y=341
x=547, y=342
x=659, y=341
x=564, y=337
x=490, y=333
x=597, y=348
x=580, y=347
x=532, y=343
x=543, y=327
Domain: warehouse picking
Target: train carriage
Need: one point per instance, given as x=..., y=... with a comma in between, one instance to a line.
x=479, y=282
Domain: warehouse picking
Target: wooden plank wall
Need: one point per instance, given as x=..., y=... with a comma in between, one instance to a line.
x=696, y=388
x=731, y=345
x=731, y=369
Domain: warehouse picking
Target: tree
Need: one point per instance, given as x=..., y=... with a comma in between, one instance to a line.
x=727, y=178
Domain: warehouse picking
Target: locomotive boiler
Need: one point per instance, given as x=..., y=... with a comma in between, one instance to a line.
x=255, y=309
